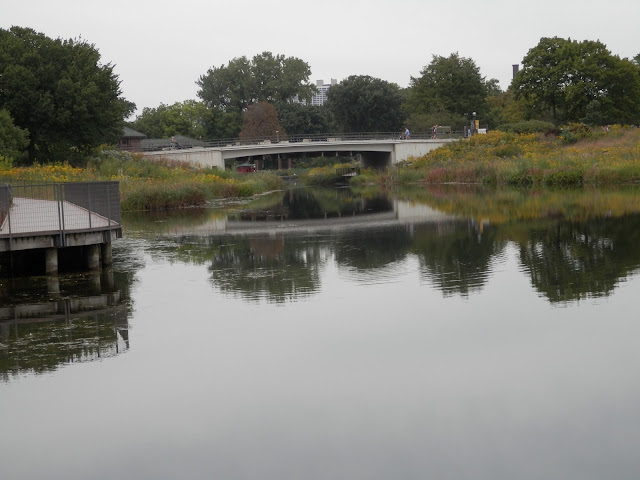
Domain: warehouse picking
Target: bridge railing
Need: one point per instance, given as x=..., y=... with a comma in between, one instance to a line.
x=295, y=138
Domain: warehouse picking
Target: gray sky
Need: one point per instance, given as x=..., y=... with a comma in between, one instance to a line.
x=161, y=47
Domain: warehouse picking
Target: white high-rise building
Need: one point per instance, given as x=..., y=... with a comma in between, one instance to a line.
x=321, y=96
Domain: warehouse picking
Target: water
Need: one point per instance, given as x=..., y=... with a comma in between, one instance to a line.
x=445, y=333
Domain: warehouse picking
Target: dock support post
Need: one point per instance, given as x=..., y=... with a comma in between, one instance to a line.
x=51, y=261
x=93, y=257
x=107, y=257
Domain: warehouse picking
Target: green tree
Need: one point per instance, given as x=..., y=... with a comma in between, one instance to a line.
x=261, y=120
x=189, y=118
x=60, y=92
x=579, y=81
x=450, y=85
x=13, y=140
x=505, y=109
x=365, y=104
x=264, y=78
x=299, y=119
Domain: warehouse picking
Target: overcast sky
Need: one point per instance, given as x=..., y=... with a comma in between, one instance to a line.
x=160, y=48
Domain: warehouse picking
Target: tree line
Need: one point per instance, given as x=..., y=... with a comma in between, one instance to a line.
x=58, y=102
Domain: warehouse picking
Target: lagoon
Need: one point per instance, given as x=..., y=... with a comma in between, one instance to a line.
x=448, y=332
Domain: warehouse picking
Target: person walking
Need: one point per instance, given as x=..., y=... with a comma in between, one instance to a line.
x=407, y=134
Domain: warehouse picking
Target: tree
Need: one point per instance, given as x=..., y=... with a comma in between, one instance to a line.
x=189, y=118
x=451, y=85
x=264, y=78
x=299, y=119
x=261, y=120
x=365, y=104
x=59, y=92
x=579, y=81
x=13, y=140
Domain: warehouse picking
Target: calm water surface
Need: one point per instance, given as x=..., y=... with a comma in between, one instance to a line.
x=446, y=334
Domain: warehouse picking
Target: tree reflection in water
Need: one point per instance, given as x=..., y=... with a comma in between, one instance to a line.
x=565, y=260
x=571, y=261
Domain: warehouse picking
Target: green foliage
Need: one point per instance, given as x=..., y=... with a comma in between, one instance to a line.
x=450, y=84
x=529, y=126
x=574, y=132
x=505, y=109
x=299, y=119
x=189, y=118
x=365, y=104
x=60, y=93
x=579, y=82
x=13, y=140
x=264, y=78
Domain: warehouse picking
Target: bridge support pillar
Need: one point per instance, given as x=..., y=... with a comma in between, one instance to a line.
x=93, y=257
x=279, y=162
x=105, y=250
x=51, y=261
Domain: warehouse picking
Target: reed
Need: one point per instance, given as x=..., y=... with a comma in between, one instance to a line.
x=151, y=185
x=578, y=156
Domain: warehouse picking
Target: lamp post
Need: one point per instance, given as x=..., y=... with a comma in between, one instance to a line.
x=277, y=137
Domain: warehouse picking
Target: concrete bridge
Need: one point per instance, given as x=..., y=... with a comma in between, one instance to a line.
x=374, y=150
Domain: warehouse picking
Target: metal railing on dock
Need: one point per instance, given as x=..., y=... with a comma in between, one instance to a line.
x=44, y=208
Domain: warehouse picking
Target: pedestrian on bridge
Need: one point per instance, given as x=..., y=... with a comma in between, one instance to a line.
x=407, y=134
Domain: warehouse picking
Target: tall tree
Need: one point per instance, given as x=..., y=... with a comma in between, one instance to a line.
x=365, y=104
x=189, y=118
x=261, y=120
x=299, y=119
x=451, y=85
x=60, y=92
x=13, y=140
x=579, y=81
x=264, y=78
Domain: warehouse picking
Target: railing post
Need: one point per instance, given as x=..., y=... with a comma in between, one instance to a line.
x=89, y=210
x=59, y=193
x=10, y=190
x=109, y=206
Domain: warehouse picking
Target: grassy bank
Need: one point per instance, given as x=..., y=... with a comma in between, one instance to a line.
x=578, y=156
x=152, y=185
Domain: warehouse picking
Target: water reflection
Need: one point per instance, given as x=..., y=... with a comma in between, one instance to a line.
x=571, y=244
x=46, y=322
x=571, y=261
x=457, y=257
x=261, y=266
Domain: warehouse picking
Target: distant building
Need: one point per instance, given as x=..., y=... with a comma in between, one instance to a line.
x=175, y=142
x=131, y=139
x=321, y=96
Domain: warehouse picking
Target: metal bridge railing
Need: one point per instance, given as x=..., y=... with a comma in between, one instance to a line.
x=279, y=138
x=44, y=208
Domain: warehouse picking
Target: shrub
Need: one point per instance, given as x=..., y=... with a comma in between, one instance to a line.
x=529, y=126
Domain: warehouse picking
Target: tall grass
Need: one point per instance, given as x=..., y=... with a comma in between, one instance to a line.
x=576, y=157
x=150, y=185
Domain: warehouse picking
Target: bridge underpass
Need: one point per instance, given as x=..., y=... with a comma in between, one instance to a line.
x=372, y=152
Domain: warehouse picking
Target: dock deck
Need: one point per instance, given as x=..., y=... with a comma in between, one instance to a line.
x=54, y=216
